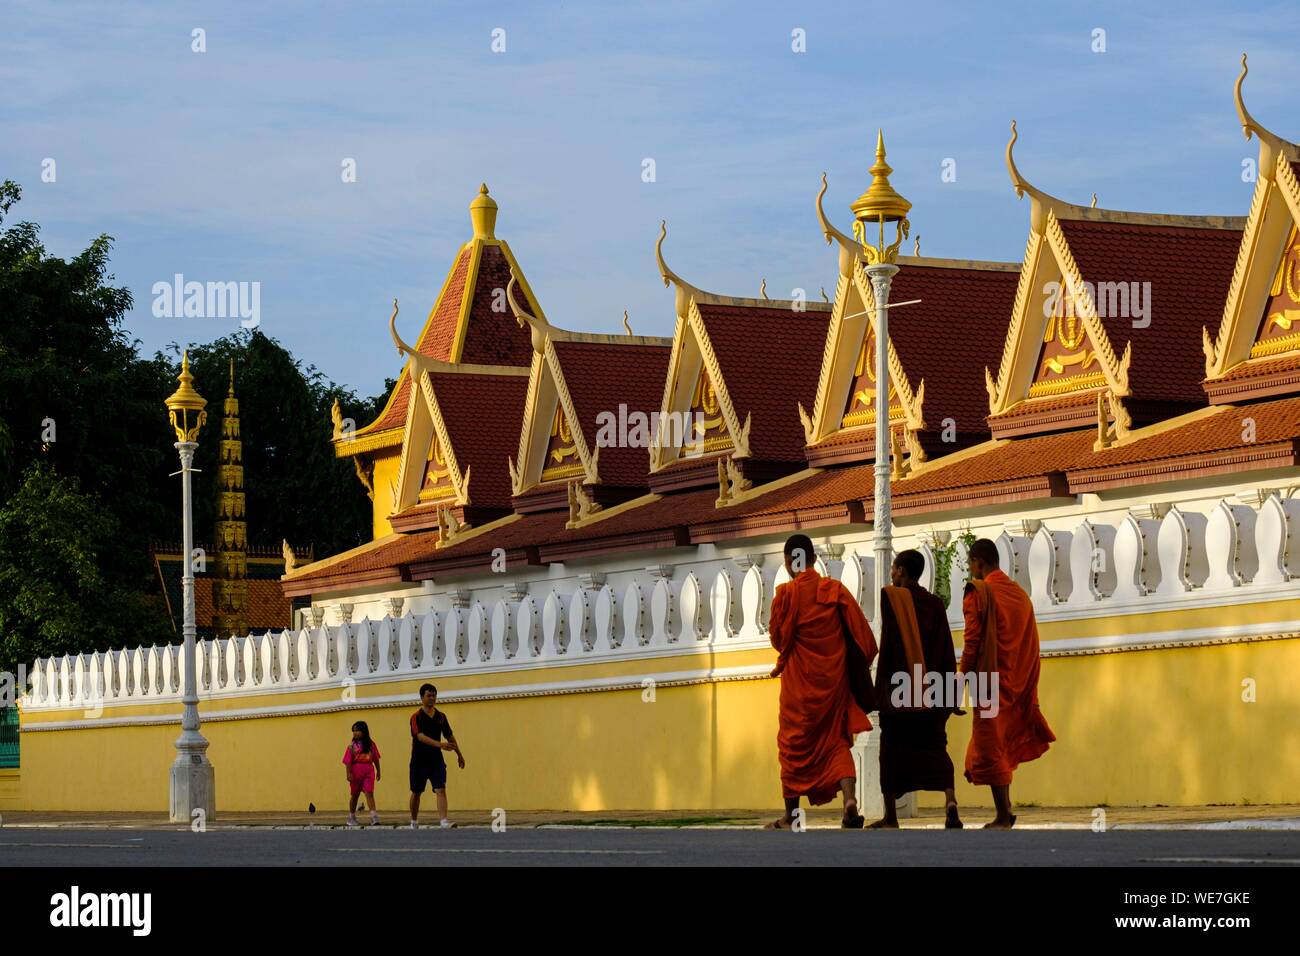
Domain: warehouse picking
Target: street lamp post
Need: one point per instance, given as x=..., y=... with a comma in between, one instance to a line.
x=193, y=783
x=878, y=205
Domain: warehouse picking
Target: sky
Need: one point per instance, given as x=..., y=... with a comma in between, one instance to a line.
x=227, y=165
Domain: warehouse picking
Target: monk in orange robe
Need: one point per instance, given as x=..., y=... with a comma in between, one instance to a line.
x=812, y=620
x=1001, y=644
x=916, y=670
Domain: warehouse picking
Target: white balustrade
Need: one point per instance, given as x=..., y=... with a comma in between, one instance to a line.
x=1158, y=556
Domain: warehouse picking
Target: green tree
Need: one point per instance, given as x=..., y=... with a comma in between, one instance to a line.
x=294, y=487
x=58, y=594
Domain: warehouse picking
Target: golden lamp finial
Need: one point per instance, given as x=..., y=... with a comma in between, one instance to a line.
x=483, y=214
x=187, y=402
x=880, y=204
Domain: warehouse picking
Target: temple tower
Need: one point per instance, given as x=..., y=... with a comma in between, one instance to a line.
x=230, y=535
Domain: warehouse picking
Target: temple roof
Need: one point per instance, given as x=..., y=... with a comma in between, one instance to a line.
x=769, y=356
x=1105, y=397
x=600, y=377
x=1189, y=269
x=468, y=323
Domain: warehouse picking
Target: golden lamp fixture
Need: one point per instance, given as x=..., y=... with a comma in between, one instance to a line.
x=185, y=406
x=880, y=204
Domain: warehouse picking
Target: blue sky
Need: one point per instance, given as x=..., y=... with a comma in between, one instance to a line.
x=225, y=165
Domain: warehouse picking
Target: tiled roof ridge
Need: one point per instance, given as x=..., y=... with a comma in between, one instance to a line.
x=1072, y=213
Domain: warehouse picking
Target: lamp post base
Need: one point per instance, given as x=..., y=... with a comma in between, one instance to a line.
x=193, y=790
x=866, y=757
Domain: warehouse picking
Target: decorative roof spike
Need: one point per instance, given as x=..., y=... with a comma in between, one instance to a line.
x=685, y=291
x=762, y=288
x=850, y=251
x=422, y=362
x=539, y=327
x=1042, y=202
x=1093, y=204
x=1269, y=143
x=825, y=297
x=627, y=326
x=916, y=246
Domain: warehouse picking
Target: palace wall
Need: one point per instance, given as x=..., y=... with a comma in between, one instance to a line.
x=1170, y=630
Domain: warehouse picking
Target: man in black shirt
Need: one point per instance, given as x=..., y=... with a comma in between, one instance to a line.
x=430, y=736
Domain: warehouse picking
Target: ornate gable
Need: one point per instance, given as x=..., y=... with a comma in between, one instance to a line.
x=697, y=418
x=1256, y=351
x=587, y=394
x=1068, y=360
x=441, y=435
x=967, y=300
x=468, y=323
x=1059, y=366
x=552, y=445
x=1279, y=327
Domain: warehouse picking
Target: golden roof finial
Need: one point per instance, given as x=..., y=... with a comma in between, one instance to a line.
x=850, y=251
x=1270, y=144
x=1093, y=204
x=880, y=204
x=187, y=402
x=916, y=246
x=626, y=324
x=483, y=214
x=762, y=287
x=685, y=290
x=539, y=328
x=1041, y=201
x=825, y=297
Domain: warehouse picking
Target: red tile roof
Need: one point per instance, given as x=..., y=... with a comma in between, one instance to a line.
x=601, y=376
x=482, y=413
x=1061, y=463
x=770, y=357
x=1189, y=269
x=494, y=337
x=951, y=335
x=439, y=336
x=268, y=608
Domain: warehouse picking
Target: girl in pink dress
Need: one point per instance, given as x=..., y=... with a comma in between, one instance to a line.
x=362, y=762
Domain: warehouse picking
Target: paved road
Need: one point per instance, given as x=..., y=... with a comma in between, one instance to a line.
x=475, y=846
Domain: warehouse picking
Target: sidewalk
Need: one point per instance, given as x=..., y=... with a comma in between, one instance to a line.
x=1275, y=817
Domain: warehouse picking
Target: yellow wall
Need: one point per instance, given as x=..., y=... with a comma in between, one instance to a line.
x=1143, y=727
x=383, y=478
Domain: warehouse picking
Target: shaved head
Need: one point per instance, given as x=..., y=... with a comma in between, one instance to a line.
x=799, y=554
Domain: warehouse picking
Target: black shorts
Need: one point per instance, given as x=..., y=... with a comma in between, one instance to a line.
x=430, y=774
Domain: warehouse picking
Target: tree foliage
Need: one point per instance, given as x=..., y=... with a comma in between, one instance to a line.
x=86, y=453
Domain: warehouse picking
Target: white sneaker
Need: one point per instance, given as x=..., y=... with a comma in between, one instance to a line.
x=352, y=820
x=446, y=824
x=415, y=825
x=374, y=819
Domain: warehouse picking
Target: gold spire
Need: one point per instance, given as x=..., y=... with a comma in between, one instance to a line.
x=880, y=204
x=230, y=531
x=483, y=214
x=187, y=402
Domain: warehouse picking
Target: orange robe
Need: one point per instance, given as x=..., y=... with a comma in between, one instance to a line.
x=818, y=716
x=998, y=608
